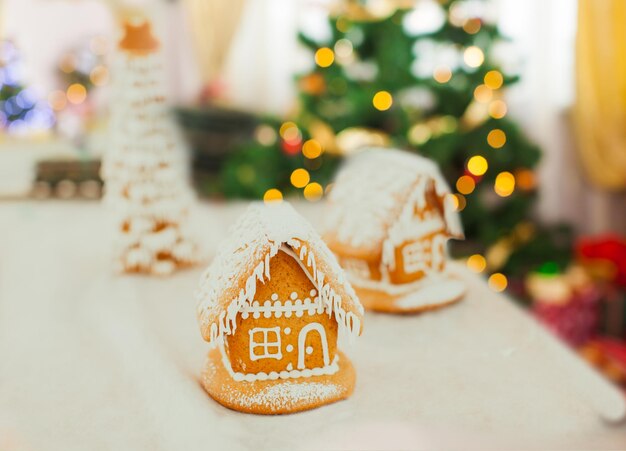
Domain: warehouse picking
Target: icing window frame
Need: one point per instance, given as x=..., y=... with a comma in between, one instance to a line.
x=266, y=345
x=414, y=257
x=357, y=267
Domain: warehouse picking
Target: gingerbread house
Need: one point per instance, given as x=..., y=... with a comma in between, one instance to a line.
x=273, y=304
x=390, y=215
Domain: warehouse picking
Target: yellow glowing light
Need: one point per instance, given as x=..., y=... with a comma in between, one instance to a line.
x=342, y=24
x=477, y=165
x=505, y=184
x=313, y=192
x=286, y=126
x=272, y=195
x=497, y=282
x=99, y=75
x=324, y=57
x=496, y=138
x=290, y=132
x=493, y=79
x=311, y=149
x=476, y=263
x=525, y=179
x=497, y=109
x=459, y=201
x=472, y=26
x=300, y=178
x=419, y=134
x=483, y=93
x=382, y=100
x=473, y=56
x=465, y=184
x=76, y=93
x=442, y=74
x=57, y=100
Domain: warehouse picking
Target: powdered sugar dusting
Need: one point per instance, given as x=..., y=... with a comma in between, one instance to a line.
x=284, y=395
x=373, y=188
x=229, y=283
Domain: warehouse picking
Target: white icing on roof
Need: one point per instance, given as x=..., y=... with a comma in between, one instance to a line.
x=229, y=283
x=371, y=191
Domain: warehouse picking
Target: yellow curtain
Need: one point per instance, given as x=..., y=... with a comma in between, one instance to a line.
x=214, y=23
x=600, y=111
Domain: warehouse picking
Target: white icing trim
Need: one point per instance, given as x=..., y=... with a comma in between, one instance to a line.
x=265, y=344
x=400, y=289
x=291, y=374
x=287, y=308
x=301, y=339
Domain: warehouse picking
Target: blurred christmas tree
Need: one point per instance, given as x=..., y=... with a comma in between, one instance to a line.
x=20, y=111
x=425, y=76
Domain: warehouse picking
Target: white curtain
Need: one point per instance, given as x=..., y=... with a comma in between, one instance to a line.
x=544, y=33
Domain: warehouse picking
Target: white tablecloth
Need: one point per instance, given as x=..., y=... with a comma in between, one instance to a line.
x=93, y=361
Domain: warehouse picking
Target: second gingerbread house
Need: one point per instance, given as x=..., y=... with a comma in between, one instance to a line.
x=389, y=218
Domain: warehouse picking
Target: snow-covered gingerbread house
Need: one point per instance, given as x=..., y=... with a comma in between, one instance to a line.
x=390, y=215
x=273, y=303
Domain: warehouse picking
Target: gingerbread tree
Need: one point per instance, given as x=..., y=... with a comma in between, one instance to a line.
x=144, y=168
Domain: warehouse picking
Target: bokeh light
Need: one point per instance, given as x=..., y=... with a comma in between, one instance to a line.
x=300, y=178
x=272, y=195
x=311, y=149
x=99, y=75
x=472, y=26
x=477, y=165
x=473, y=56
x=496, y=138
x=419, y=134
x=497, y=282
x=57, y=100
x=504, y=184
x=442, y=74
x=465, y=184
x=290, y=132
x=459, y=201
x=265, y=135
x=497, y=109
x=493, y=79
x=476, y=263
x=382, y=100
x=525, y=179
x=76, y=93
x=343, y=48
x=483, y=93
x=313, y=192
x=324, y=57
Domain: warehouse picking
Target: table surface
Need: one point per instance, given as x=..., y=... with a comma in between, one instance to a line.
x=89, y=360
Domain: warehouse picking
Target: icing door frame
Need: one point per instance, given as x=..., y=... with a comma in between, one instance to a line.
x=302, y=338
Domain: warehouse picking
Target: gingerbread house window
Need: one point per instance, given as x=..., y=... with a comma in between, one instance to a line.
x=265, y=343
x=415, y=257
x=357, y=267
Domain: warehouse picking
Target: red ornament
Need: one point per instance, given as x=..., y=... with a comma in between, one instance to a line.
x=605, y=255
x=291, y=147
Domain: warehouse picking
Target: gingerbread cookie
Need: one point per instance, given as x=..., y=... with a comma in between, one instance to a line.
x=272, y=304
x=390, y=216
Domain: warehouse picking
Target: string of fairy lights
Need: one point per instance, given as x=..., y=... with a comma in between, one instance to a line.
x=487, y=102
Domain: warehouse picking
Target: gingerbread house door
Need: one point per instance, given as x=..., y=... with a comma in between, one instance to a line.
x=317, y=345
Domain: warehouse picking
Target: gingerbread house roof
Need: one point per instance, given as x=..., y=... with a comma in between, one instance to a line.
x=229, y=284
x=370, y=195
